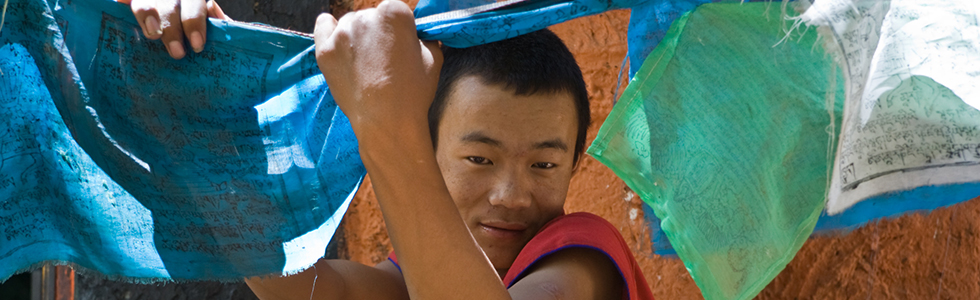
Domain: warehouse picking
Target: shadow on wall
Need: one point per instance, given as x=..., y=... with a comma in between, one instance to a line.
x=299, y=15
x=93, y=287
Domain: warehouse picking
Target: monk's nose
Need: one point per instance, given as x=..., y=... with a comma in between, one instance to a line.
x=511, y=190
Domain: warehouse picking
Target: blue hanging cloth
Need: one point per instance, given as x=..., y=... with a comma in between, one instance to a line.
x=498, y=21
x=116, y=158
x=229, y=163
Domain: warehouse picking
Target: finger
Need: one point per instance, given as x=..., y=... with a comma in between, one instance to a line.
x=124, y=1
x=194, y=20
x=215, y=11
x=398, y=13
x=173, y=34
x=394, y=8
x=148, y=18
x=324, y=39
x=325, y=25
x=434, y=56
x=399, y=16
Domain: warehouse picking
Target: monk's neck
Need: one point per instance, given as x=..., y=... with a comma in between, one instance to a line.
x=502, y=273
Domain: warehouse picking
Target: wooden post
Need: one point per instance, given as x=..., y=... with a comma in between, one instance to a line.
x=64, y=283
x=53, y=283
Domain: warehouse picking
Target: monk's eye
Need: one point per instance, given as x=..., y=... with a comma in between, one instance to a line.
x=543, y=165
x=479, y=160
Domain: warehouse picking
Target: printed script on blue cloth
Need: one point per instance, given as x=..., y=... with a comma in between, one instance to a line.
x=229, y=163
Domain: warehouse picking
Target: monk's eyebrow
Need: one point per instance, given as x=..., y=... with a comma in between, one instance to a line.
x=555, y=144
x=479, y=137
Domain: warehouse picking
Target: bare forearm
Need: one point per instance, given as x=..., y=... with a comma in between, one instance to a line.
x=439, y=257
x=333, y=279
x=320, y=278
x=384, y=79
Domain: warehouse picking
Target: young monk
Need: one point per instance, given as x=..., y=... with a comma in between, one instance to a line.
x=471, y=162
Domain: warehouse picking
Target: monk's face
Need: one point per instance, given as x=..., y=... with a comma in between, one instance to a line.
x=507, y=161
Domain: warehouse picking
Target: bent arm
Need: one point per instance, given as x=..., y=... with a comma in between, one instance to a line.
x=439, y=257
x=384, y=81
x=573, y=273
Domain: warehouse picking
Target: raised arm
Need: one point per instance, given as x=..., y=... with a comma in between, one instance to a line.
x=384, y=79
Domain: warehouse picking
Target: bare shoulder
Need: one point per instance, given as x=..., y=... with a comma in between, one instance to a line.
x=571, y=273
x=391, y=270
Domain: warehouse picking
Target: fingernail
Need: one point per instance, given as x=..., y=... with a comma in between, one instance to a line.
x=176, y=49
x=152, y=26
x=197, y=42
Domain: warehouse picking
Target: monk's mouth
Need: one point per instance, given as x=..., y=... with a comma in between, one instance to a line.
x=503, y=231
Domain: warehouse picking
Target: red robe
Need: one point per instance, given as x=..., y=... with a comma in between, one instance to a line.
x=579, y=230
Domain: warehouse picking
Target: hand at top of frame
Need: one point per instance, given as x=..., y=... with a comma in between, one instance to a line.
x=173, y=20
x=381, y=75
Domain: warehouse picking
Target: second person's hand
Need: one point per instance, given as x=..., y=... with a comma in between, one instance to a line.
x=173, y=20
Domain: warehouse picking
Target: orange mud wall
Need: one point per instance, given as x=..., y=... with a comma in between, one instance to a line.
x=933, y=256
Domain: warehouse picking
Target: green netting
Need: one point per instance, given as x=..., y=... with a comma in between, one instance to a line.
x=728, y=137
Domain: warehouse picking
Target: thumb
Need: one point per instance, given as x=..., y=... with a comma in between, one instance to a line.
x=432, y=57
x=215, y=11
x=322, y=32
x=325, y=24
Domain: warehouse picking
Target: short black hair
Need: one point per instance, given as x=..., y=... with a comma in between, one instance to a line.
x=536, y=62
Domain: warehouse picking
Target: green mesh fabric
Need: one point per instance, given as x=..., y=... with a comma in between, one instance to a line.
x=726, y=132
